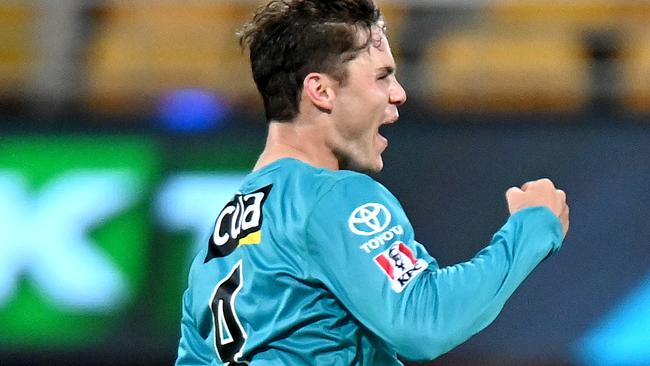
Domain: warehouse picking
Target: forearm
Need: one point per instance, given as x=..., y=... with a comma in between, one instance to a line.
x=448, y=305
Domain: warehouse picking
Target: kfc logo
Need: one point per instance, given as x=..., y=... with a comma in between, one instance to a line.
x=369, y=219
x=400, y=265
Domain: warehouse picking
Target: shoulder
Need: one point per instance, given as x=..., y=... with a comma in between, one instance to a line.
x=343, y=192
x=303, y=192
x=347, y=180
x=350, y=188
x=317, y=182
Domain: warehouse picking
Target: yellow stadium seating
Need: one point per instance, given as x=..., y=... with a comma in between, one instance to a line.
x=143, y=49
x=17, y=22
x=578, y=14
x=635, y=71
x=626, y=21
x=501, y=70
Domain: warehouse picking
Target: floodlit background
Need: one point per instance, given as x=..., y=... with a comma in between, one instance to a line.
x=125, y=125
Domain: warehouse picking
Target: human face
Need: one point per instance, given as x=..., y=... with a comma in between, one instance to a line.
x=367, y=99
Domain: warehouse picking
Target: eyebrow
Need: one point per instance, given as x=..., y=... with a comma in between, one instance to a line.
x=387, y=69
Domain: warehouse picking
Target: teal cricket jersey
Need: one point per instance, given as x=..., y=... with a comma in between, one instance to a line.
x=309, y=266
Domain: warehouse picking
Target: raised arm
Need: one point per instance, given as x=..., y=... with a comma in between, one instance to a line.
x=362, y=247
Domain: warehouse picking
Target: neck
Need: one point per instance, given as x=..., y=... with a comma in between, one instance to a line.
x=301, y=140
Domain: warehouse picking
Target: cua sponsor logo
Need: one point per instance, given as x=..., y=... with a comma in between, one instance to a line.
x=239, y=223
x=382, y=239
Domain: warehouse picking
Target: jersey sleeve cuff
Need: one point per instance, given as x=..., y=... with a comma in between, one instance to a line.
x=544, y=221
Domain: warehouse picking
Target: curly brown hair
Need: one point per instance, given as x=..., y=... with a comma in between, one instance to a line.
x=288, y=39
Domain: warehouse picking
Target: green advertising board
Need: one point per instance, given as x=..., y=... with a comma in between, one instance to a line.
x=74, y=235
x=97, y=233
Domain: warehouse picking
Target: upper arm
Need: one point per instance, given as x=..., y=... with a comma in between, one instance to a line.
x=363, y=248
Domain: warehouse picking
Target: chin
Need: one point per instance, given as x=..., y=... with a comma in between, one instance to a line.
x=379, y=166
x=371, y=167
x=360, y=166
x=363, y=163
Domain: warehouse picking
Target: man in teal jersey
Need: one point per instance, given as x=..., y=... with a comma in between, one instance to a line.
x=314, y=262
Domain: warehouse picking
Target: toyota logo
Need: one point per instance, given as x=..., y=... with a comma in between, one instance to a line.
x=369, y=219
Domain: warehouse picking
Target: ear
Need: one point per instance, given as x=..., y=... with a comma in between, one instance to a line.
x=318, y=88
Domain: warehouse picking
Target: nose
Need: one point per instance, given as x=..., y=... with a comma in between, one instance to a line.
x=397, y=94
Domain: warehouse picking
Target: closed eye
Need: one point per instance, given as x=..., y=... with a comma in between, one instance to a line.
x=385, y=72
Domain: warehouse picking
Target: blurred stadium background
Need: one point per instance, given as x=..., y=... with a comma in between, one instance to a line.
x=124, y=125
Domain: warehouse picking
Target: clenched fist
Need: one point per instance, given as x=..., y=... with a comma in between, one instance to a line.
x=540, y=193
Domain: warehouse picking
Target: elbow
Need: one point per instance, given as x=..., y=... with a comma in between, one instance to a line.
x=420, y=346
x=424, y=344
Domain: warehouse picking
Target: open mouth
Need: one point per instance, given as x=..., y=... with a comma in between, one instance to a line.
x=380, y=136
x=382, y=128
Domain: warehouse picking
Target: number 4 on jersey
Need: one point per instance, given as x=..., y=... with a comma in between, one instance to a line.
x=229, y=335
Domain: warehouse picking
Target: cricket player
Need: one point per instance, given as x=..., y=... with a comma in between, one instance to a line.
x=313, y=262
